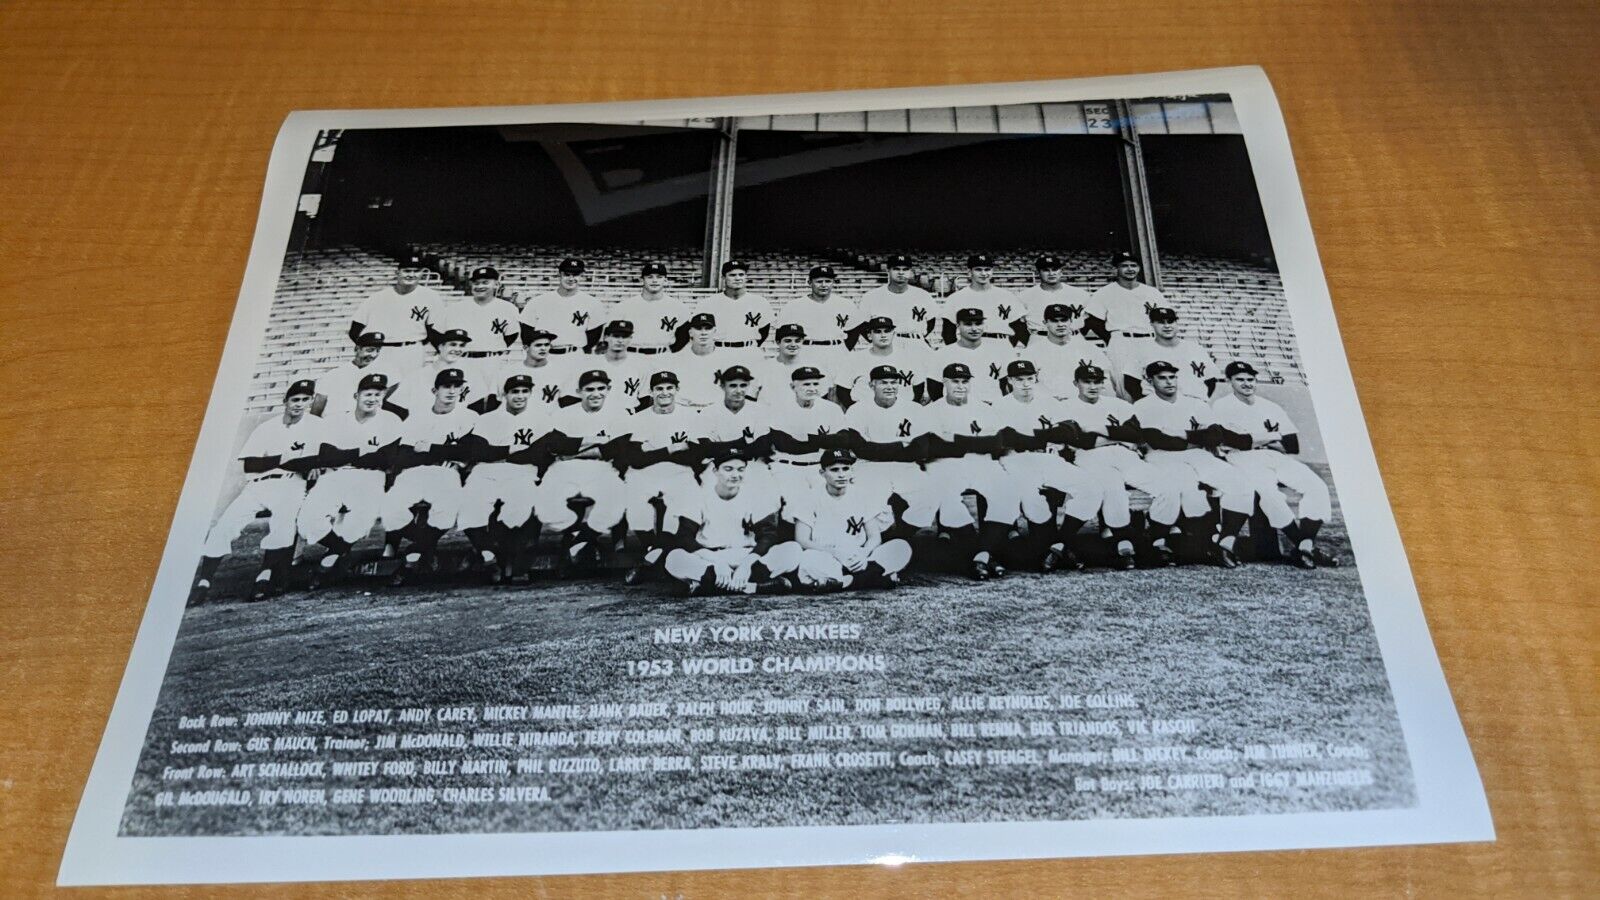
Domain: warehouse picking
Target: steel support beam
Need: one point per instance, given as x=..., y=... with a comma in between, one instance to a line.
x=1136, y=194
x=719, y=204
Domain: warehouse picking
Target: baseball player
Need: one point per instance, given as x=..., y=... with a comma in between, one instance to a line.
x=1262, y=442
x=1035, y=433
x=656, y=314
x=1197, y=371
x=1004, y=315
x=625, y=372
x=1180, y=433
x=1049, y=289
x=887, y=432
x=913, y=360
x=430, y=458
x=839, y=527
x=581, y=495
x=800, y=430
x=744, y=318
x=737, y=422
x=546, y=376
x=570, y=315
x=660, y=458
x=1060, y=352
x=497, y=498
x=826, y=317
x=962, y=467
x=1123, y=301
x=985, y=357
x=401, y=311
x=1112, y=438
x=276, y=457
x=336, y=388
x=729, y=533
x=792, y=353
x=700, y=361
x=491, y=320
x=416, y=390
x=911, y=309
x=357, y=450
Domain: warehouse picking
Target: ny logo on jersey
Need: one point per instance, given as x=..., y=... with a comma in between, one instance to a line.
x=975, y=427
x=841, y=320
x=822, y=429
x=451, y=438
x=1075, y=310
x=1148, y=306
x=669, y=323
x=630, y=387
x=1199, y=369
x=419, y=314
x=580, y=318
x=499, y=326
x=753, y=319
x=905, y=428
x=465, y=390
x=748, y=525
x=1112, y=421
x=550, y=392
x=297, y=445
x=679, y=437
x=919, y=313
x=994, y=370
x=749, y=433
x=372, y=441
x=1045, y=423
x=1194, y=424
x=524, y=436
x=1005, y=312
x=855, y=525
x=1270, y=425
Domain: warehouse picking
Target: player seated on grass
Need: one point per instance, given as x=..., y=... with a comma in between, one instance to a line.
x=581, y=496
x=728, y=535
x=276, y=457
x=1180, y=434
x=357, y=450
x=839, y=526
x=1262, y=442
x=659, y=457
x=960, y=465
x=430, y=458
x=497, y=499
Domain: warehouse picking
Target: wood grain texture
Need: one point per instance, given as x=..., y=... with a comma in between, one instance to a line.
x=1448, y=153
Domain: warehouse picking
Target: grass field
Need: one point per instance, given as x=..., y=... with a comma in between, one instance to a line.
x=1259, y=655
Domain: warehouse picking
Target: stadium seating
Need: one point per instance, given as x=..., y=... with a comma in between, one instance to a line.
x=1235, y=309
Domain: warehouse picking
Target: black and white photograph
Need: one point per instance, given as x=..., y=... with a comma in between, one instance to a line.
x=917, y=465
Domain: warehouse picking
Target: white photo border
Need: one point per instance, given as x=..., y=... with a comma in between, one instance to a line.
x=1451, y=805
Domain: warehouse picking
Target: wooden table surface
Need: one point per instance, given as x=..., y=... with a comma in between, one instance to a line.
x=1449, y=157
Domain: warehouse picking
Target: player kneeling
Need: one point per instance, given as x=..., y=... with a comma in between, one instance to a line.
x=727, y=533
x=840, y=526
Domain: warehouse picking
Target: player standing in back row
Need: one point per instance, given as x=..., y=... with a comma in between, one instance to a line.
x=656, y=314
x=909, y=307
x=570, y=315
x=744, y=319
x=402, y=312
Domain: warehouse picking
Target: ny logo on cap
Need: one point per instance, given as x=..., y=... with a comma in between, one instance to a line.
x=753, y=319
x=499, y=326
x=856, y=525
x=550, y=392
x=919, y=313
x=524, y=436
x=419, y=314
x=669, y=323
x=1199, y=368
x=1271, y=425
x=1148, y=307
x=905, y=428
x=630, y=387
x=579, y=317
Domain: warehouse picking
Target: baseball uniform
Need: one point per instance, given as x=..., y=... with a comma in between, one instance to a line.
x=773, y=375
x=1057, y=363
x=912, y=311
x=416, y=387
x=1127, y=310
x=999, y=307
x=1124, y=464
x=669, y=481
x=796, y=473
x=572, y=475
x=279, y=492
x=438, y=482
x=491, y=324
x=1176, y=418
x=1035, y=468
x=1265, y=469
x=569, y=318
x=896, y=425
x=726, y=536
x=346, y=500
x=825, y=321
x=1081, y=303
x=947, y=478
x=549, y=380
x=403, y=319
x=1194, y=362
x=847, y=525
x=741, y=320
x=697, y=373
x=338, y=384
x=655, y=322
x=914, y=362
x=987, y=360
x=511, y=484
x=627, y=374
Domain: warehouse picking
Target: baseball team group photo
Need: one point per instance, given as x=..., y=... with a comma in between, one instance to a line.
x=1015, y=389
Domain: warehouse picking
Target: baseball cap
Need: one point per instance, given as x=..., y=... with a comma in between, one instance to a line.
x=485, y=272
x=377, y=381
x=539, y=334
x=897, y=261
x=1123, y=256
x=1163, y=314
x=821, y=272
x=305, y=387
x=592, y=376
x=456, y=335
x=834, y=456
x=1238, y=366
x=1057, y=312
x=663, y=377
x=411, y=261
x=957, y=370
x=702, y=320
x=734, y=373
x=978, y=260
x=653, y=268
x=1048, y=262
x=1088, y=372
x=571, y=266
x=519, y=381
x=728, y=453
x=370, y=339
x=448, y=377
x=790, y=329
x=1159, y=366
x=884, y=373
x=1018, y=368
x=806, y=373
x=733, y=264
x=969, y=316
x=619, y=327
x=880, y=323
